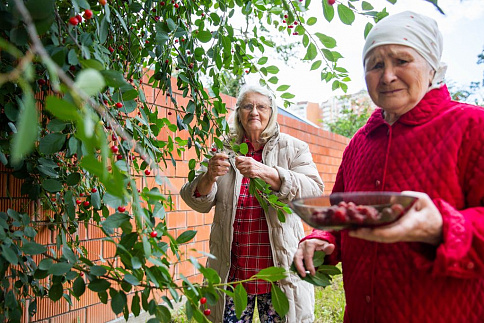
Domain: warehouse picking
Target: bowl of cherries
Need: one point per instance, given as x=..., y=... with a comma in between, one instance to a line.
x=352, y=209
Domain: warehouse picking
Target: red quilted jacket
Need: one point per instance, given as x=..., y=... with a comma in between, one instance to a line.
x=436, y=148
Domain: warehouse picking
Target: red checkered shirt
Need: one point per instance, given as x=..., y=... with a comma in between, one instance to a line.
x=251, y=247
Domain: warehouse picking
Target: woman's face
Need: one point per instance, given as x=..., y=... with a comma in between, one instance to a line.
x=397, y=77
x=254, y=113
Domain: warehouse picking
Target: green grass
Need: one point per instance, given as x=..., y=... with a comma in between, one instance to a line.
x=329, y=306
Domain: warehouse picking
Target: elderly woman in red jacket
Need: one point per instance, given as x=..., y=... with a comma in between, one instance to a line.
x=429, y=265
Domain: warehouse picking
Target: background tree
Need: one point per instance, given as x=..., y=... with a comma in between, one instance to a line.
x=77, y=129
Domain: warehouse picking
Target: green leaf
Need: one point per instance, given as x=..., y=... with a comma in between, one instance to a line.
x=56, y=291
x=33, y=248
x=279, y=300
x=287, y=96
x=328, y=11
x=171, y=24
x=335, y=85
x=163, y=314
x=98, y=271
x=118, y=301
x=204, y=36
x=62, y=109
x=186, y=236
x=316, y=65
x=262, y=60
x=114, y=78
x=366, y=6
x=60, y=268
x=273, y=80
x=240, y=300
x=328, y=42
x=272, y=69
x=329, y=270
x=79, y=287
x=92, y=63
x=27, y=128
x=318, y=258
x=115, y=221
x=311, y=52
x=272, y=274
x=90, y=81
x=244, y=149
x=311, y=21
x=368, y=27
x=346, y=15
x=73, y=179
x=52, y=143
x=52, y=185
x=131, y=279
x=99, y=285
x=9, y=255
x=135, y=305
x=283, y=88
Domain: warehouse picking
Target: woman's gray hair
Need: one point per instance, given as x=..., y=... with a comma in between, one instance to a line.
x=238, y=131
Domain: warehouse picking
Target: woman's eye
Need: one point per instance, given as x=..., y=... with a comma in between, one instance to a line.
x=402, y=61
x=377, y=66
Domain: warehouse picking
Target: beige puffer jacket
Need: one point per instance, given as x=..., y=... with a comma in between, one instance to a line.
x=300, y=178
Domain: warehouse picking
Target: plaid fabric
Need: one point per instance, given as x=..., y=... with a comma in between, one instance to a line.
x=251, y=248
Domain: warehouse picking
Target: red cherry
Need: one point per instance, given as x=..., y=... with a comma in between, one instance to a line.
x=81, y=274
x=78, y=202
x=41, y=81
x=88, y=14
x=86, y=203
x=247, y=71
x=176, y=6
x=73, y=21
x=110, y=49
x=167, y=61
x=295, y=22
x=207, y=312
x=283, y=21
x=331, y=2
x=94, y=190
x=102, y=2
x=79, y=18
x=190, y=65
x=162, y=3
x=153, y=234
x=285, y=16
x=53, y=199
x=214, y=149
x=157, y=18
x=81, y=195
x=147, y=171
x=119, y=105
x=114, y=149
x=114, y=137
x=176, y=40
x=105, y=102
x=203, y=15
x=169, y=113
x=121, y=209
x=203, y=300
x=119, y=157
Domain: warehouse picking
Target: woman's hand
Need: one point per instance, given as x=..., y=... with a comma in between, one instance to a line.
x=251, y=168
x=303, y=258
x=218, y=166
x=422, y=223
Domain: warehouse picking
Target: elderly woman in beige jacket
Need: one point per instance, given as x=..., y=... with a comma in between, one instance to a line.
x=244, y=239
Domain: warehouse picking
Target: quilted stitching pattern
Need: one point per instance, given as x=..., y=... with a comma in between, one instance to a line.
x=436, y=148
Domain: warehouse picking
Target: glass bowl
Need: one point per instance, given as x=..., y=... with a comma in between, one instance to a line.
x=352, y=209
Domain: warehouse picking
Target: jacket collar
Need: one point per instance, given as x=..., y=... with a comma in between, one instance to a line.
x=430, y=106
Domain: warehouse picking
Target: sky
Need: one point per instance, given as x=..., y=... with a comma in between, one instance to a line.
x=462, y=29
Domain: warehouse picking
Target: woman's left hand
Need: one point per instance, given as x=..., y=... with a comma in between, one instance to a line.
x=251, y=168
x=422, y=223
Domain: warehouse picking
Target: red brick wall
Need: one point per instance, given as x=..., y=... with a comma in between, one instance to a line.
x=327, y=149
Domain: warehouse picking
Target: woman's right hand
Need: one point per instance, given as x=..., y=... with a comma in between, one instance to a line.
x=303, y=258
x=218, y=165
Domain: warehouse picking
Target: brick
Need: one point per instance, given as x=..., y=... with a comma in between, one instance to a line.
x=100, y=313
x=71, y=317
x=176, y=220
x=194, y=218
x=47, y=308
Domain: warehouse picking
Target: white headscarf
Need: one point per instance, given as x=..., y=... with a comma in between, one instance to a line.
x=413, y=30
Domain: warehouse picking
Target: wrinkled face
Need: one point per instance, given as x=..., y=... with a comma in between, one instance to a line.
x=254, y=113
x=397, y=77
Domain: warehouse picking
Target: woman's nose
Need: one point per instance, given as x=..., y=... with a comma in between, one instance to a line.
x=388, y=74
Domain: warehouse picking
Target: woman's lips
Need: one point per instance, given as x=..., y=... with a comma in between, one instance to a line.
x=387, y=92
